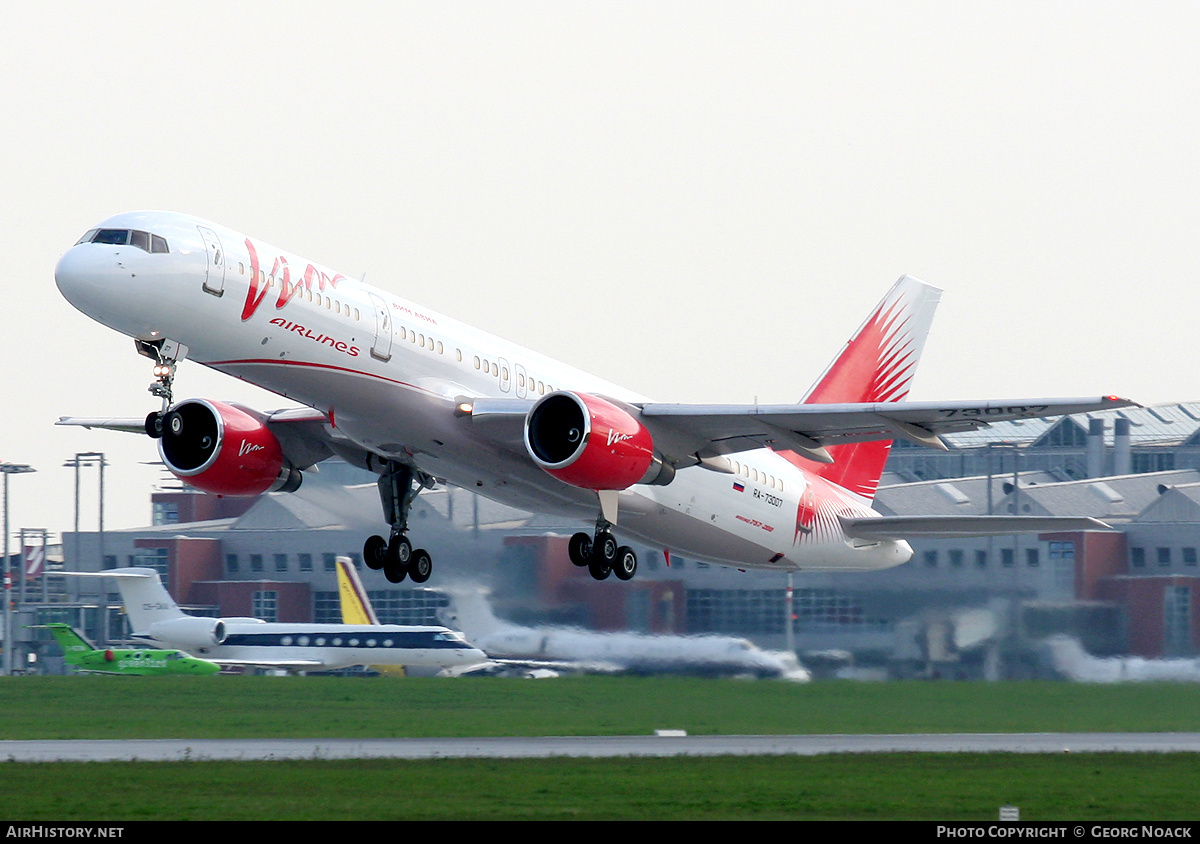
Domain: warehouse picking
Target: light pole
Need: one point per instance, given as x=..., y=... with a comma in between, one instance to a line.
x=9, y=469
x=82, y=459
x=1015, y=578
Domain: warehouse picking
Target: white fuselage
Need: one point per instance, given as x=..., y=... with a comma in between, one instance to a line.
x=626, y=651
x=388, y=374
x=333, y=646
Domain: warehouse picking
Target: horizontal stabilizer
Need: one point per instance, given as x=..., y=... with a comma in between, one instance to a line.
x=933, y=527
x=126, y=572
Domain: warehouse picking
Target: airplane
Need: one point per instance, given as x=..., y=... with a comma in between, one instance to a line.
x=352, y=597
x=357, y=609
x=251, y=642
x=1066, y=655
x=85, y=656
x=575, y=649
x=420, y=399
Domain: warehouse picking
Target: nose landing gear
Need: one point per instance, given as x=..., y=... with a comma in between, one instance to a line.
x=166, y=355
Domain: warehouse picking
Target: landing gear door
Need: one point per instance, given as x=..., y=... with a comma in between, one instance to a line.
x=382, y=348
x=214, y=274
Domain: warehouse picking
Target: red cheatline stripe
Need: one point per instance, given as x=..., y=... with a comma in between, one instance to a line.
x=253, y=362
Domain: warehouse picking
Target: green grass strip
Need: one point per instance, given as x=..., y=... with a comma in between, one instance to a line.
x=942, y=787
x=325, y=707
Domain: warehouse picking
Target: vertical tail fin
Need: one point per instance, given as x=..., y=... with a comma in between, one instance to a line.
x=72, y=642
x=146, y=600
x=470, y=612
x=877, y=365
x=356, y=607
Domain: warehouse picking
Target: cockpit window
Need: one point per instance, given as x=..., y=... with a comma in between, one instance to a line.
x=116, y=237
x=119, y=237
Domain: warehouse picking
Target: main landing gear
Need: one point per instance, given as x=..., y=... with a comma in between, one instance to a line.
x=602, y=555
x=399, y=486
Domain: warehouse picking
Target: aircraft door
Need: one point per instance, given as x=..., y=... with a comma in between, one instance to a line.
x=522, y=381
x=505, y=376
x=382, y=348
x=214, y=271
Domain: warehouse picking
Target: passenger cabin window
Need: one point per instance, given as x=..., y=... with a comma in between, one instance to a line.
x=145, y=241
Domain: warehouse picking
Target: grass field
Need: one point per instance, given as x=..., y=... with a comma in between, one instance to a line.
x=941, y=787
x=869, y=786
x=322, y=707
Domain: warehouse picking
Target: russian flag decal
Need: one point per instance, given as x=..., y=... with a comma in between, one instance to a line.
x=739, y=486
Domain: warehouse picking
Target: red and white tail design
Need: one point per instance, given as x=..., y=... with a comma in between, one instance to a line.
x=877, y=365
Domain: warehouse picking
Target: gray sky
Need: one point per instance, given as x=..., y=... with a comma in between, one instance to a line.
x=697, y=200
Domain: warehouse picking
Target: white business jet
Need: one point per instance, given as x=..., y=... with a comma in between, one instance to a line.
x=157, y=621
x=421, y=399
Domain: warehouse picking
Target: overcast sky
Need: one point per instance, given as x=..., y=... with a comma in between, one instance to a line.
x=697, y=200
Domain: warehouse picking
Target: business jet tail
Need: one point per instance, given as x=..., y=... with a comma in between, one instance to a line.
x=356, y=606
x=146, y=600
x=73, y=643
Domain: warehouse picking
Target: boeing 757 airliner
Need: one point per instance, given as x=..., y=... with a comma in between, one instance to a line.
x=421, y=399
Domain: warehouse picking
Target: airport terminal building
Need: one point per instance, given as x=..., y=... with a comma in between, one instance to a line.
x=965, y=607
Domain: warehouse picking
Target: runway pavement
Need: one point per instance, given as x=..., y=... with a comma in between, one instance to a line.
x=589, y=746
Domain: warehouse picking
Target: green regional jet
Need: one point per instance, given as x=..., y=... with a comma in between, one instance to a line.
x=85, y=656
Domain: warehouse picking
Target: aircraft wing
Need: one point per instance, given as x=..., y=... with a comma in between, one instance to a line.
x=931, y=527
x=531, y=668
x=291, y=664
x=686, y=433
x=728, y=429
x=128, y=426
x=305, y=434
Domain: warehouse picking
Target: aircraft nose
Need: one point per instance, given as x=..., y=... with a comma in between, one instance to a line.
x=88, y=277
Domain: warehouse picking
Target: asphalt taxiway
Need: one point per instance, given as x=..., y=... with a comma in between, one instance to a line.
x=173, y=750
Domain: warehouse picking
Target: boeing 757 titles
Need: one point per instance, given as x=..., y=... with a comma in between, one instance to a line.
x=422, y=399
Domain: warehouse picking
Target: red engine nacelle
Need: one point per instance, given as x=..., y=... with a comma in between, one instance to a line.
x=223, y=449
x=592, y=443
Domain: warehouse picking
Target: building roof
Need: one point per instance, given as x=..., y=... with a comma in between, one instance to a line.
x=1179, y=503
x=1120, y=497
x=329, y=505
x=952, y=496
x=1163, y=424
